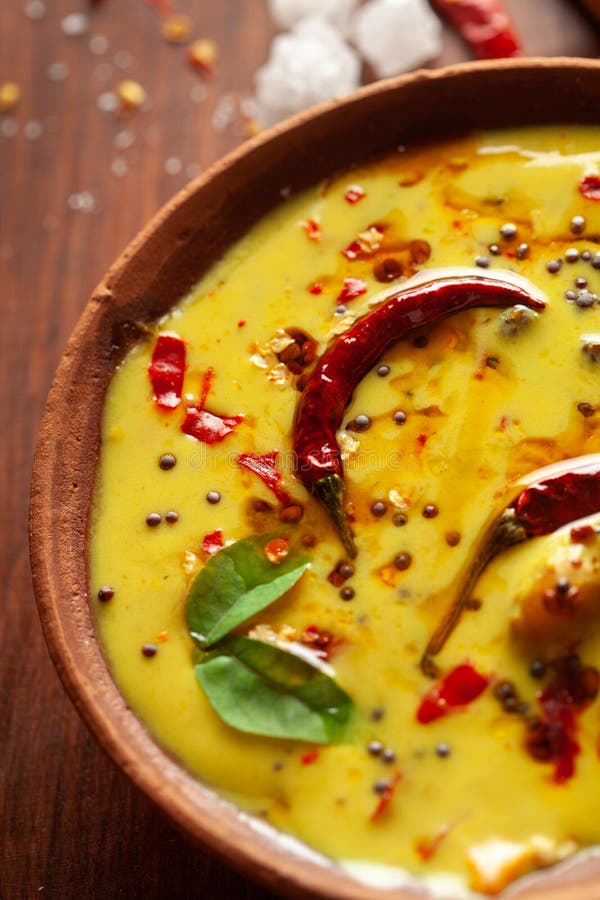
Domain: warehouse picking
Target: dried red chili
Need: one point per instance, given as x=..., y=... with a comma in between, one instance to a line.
x=166, y=370
x=484, y=24
x=265, y=467
x=459, y=688
x=554, y=496
x=327, y=391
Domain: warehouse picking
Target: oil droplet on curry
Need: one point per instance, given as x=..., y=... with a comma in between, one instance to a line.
x=481, y=766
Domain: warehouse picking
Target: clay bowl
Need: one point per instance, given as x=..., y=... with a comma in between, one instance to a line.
x=161, y=264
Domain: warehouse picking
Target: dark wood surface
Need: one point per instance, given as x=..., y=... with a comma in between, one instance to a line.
x=71, y=826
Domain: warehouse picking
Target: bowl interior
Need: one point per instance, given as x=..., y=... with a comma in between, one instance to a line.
x=158, y=268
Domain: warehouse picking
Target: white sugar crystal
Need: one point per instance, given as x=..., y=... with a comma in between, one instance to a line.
x=98, y=44
x=287, y=13
x=35, y=10
x=75, y=24
x=309, y=65
x=396, y=35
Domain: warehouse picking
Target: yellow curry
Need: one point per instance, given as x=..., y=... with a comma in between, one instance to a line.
x=483, y=767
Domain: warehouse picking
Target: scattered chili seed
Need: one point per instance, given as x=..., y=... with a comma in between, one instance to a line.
x=572, y=255
x=553, y=266
x=167, y=461
x=382, y=371
x=596, y=261
x=340, y=310
x=508, y=231
x=537, y=668
x=106, y=593
x=377, y=714
x=213, y=497
x=292, y=513
x=586, y=409
x=347, y=593
x=388, y=756
x=453, y=538
x=430, y=511
x=171, y=517
x=585, y=299
x=379, y=508
x=494, y=249
x=202, y=55
x=374, y=748
x=388, y=269
x=420, y=251
x=577, y=224
x=570, y=296
x=399, y=519
x=586, y=255
x=346, y=570
x=402, y=561
x=362, y=422
x=149, y=650
x=442, y=750
x=581, y=282
x=482, y=261
x=522, y=251
x=399, y=417
x=153, y=519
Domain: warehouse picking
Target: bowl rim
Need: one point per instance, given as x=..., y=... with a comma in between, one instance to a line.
x=59, y=492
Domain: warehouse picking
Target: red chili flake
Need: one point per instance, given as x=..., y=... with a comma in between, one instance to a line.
x=277, y=549
x=353, y=250
x=312, y=229
x=166, y=370
x=552, y=737
x=354, y=193
x=460, y=687
x=241, y=323
x=265, y=467
x=307, y=759
x=207, y=427
x=427, y=847
x=386, y=797
x=579, y=534
x=589, y=187
x=212, y=542
x=353, y=287
x=207, y=379
x=422, y=439
x=322, y=642
x=316, y=288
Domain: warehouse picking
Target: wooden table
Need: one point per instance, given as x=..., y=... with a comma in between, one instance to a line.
x=76, y=184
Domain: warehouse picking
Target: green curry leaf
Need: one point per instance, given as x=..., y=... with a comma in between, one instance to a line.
x=262, y=689
x=235, y=584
